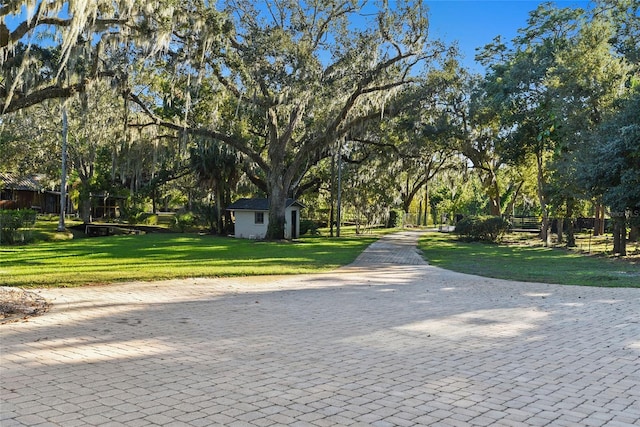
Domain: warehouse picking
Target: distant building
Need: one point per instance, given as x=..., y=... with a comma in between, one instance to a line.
x=27, y=192
x=106, y=206
x=252, y=218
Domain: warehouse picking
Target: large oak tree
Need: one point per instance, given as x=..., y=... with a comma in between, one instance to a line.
x=300, y=76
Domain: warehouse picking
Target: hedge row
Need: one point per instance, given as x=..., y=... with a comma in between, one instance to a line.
x=483, y=228
x=15, y=225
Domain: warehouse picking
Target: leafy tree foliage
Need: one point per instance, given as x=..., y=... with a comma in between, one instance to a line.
x=214, y=97
x=92, y=36
x=614, y=170
x=553, y=89
x=218, y=169
x=301, y=78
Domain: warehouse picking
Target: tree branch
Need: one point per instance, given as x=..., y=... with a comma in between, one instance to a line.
x=26, y=26
x=50, y=92
x=378, y=144
x=207, y=133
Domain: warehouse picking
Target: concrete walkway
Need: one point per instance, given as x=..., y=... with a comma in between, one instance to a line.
x=386, y=341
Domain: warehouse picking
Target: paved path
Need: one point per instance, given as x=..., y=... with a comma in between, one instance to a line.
x=386, y=341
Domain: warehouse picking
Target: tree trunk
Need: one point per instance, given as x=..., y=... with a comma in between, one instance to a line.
x=339, y=196
x=571, y=238
x=545, y=236
x=411, y=191
x=406, y=206
x=426, y=204
x=228, y=223
x=332, y=198
x=634, y=233
x=596, y=221
x=277, y=206
x=63, y=180
x=495, y=206
x=85, y=202
x=219, y=192
x=616, y=237
x=492, y=189
x=619, y=236
x=545, y=232
x=598, y=226
x=560, y=230
x=277, y=188
x=510, y=209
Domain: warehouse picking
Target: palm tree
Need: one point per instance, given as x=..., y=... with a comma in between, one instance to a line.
x=217, y=167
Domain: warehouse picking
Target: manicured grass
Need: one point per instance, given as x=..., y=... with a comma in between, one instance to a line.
x=166, y=255
x=531, y=264
x=45, y=229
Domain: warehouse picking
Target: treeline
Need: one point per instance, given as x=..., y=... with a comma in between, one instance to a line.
x=194, y=105
x=566, y=97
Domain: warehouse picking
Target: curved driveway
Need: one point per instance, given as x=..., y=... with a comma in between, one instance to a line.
x=386, y=341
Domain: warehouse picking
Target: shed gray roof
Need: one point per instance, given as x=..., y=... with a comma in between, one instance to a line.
x=259, y=204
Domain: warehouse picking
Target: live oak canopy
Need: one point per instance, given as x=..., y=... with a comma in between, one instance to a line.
x=299, y=76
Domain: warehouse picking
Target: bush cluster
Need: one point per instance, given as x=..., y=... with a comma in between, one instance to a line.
x=184, y=221
x=15, y=225
x=206, y=214
x=395, y=218
x=482, y=228
x=309, y=226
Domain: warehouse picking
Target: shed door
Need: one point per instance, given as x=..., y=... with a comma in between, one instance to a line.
x=294, y=224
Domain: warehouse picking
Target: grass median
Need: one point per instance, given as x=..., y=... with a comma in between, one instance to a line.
x=158, y=256
x=528, y=264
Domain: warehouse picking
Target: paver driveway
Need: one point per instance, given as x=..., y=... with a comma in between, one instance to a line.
x=385, y=341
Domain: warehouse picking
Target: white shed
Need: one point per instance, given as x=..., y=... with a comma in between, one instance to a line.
x=251, y=218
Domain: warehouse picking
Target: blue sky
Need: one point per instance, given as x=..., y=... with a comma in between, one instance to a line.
x=474, y=23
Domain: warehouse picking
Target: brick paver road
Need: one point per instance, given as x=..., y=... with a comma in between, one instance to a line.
x=387, y=341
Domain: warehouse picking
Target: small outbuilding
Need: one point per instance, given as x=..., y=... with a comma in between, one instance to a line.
x=251, y=218
x=27, y=192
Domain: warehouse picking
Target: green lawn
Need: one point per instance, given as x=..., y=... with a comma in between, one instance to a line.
x=158, y=256
x=166, y=255
x=531, y=264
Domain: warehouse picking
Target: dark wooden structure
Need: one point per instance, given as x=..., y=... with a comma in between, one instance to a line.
x=27, y=192
x=106, y=206
x=525, y=223
x=97, y=230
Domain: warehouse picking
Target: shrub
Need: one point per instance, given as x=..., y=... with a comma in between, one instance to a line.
x=207, y=215
x=493, y=228
x=15, y=225
x=395, y=218
x=466, y=227
x=487, y=229
x=309, y=226
x=132, y=213
x=183, y=221
x=151, y=219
